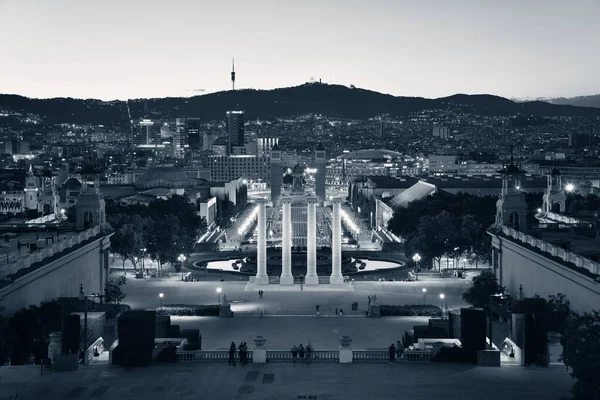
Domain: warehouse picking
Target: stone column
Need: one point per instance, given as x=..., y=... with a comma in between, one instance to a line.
x=311, y=238
x=261, y=245
x=259, y=354
x=346, y=354
x=336, y=244
x=286, y=243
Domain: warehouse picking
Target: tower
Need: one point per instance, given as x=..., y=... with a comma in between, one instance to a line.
x=233, y=74
x=276, y=174
x=511, y=208
x=31, y=191
x=320, y=164
x=90, y=207
x=555, y=199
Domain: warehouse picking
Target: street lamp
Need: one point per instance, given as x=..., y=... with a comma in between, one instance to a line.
x=424, y=294
x=416, y=259
x=569, y=187
x=442, y=297
x=181, y=260
x=143, y=256
x=219, y=295
x=83, y=297
x=161, y=295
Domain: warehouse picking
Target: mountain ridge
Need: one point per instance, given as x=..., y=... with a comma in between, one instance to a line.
x=334, y=101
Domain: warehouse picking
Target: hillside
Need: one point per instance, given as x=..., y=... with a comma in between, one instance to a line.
x=334, y=101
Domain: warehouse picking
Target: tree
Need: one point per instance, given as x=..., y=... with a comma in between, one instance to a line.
x=127, y=242
x=484, y=285
x=114, y=290
x=581, y=352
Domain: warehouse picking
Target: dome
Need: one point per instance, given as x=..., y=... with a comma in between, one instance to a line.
x=163, y=177
x=371, y=154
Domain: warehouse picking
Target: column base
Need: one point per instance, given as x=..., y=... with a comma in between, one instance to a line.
x=261, y=280
x=336, y=280
x=259, y=356
x=286, y=280
x=346, y=355
x=311, y=280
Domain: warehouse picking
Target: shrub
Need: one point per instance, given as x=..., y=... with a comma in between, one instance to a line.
x=182, y=310
x=410, y=310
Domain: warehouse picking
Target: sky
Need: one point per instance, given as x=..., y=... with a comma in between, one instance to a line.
x=120, y=49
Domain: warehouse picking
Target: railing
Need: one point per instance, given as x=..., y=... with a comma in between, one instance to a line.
x=576, y=259
x=207, y=355
x=417, y=356
x=16, y=260
x=326, y=356
x=370, y=356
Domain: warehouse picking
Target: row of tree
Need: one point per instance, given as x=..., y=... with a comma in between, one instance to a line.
x=161, y=231
x=580, y=334
x=446, y=225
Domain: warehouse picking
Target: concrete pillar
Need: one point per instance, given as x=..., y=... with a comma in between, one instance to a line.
x=311, y=236
x=346, y=354
x=336, y=244
x=261, y=245
x=286, y=243
x=259, y=354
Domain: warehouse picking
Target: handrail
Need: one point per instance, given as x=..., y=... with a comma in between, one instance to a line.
x=370, y=356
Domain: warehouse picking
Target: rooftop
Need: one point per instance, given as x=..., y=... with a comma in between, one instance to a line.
x=371, y=154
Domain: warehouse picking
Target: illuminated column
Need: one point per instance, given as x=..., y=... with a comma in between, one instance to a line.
x=336, y=244
x=261, y=245
x=311, y=239
x=286, y=243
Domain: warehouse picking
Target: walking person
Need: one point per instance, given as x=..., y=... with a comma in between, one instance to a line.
x=392, y=353
x=294, y=353
x=301, y=352
x=318, y=311
x=341, y=312
x=232, y=354
x=337, y=312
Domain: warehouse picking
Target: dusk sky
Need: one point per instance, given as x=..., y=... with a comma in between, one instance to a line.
x=119, y=49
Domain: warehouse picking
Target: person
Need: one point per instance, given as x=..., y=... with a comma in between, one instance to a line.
x=337, y=312
x=392, y=353
x=318, y=311
x=308, y=352
x=232, y=354
x=294, y=353
x=341, y=312
x=245, y=353
x=241, y=350
x=301, y=352
x=399, y=349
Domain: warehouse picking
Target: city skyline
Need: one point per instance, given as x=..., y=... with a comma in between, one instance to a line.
x=110, y=50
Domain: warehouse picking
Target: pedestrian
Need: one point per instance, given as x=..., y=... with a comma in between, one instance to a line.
x=337, y=312
x=318, y=311
x=294, y=353
x=241, y=350
x=392, y=353
x=245, y=353
x=308, y=353
x=341, y=312
x=232, y=354
x=301, y=352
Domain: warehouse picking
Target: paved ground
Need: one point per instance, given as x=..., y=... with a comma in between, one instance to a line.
x=288, y=381
x=283, y=332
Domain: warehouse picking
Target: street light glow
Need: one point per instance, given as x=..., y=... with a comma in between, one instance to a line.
x=161, y=295
x=424, y=290
x=416, y=257
x=539, y=210
x=219, y=290
x=442, y=296
x=569, y=187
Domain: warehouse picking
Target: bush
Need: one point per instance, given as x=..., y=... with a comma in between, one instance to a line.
x=182, y=310
x=413, y=310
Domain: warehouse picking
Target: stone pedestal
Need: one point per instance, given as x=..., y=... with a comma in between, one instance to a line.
x=261, y=245
x=336, y=244
x=311, y=242
x=488, y=358
x=374, y=311
x=346, y=352
x=55, y=346
x=286, y=243
x=259, y=354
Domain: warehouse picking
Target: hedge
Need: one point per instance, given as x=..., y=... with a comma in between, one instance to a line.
x=410, y=310
x=182, y=310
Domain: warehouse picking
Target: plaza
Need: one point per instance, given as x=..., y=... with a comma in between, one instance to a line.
x=287, y=381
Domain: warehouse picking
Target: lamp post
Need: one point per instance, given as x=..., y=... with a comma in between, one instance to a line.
x=161, y=295
x=143, y=257
x=442, y=297
x=219, y=295
x=83, y=297
x=181, y=260
x=424, y=294
x=416, y=259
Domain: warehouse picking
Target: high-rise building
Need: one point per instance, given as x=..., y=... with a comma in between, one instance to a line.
x=379, y=129
x=442, y=132
x=234, y=122
x=321, y=165
x=193, y=133
x=276, y=174
x=146, y=131
x=180, y=138
x=207, y=141
x=16, y=146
